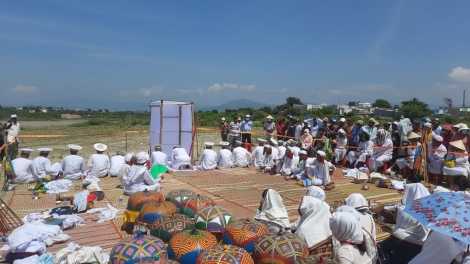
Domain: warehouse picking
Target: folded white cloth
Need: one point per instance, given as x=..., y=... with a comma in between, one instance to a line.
x=398, y=185
x=74, y=253
x=94, y=186
x=60, y=238
x=106, y=214
x=58, y=186
x=80, y=201
x=70, y=220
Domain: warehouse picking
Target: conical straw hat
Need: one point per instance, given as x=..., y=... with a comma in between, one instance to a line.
x=413, y=135
x=458, y=144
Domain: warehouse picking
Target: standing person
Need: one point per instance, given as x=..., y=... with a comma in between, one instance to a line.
x=331, y=129
x=298, y=129
x=99, y=165
x=224, y=129
x=2, y=140
x=462, y=134
x=359, y=125
x=269, y=126
x=291, y=129
x=319, y=140
x=281, y=127
x=315, y=126
x=116, y=163
x=73, y=165
x=388, y=129
x=234, y=132
x=22, y=167
x=13, y=129
x=246, y=127
x=208, y=158
x=446, y=134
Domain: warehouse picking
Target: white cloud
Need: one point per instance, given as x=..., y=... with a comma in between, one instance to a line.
x=188, y=91
x=249, y=87
x=141, y=91
x=283, y=90
x=460, y=74
x=338, y=92
x=217, y=87
x=446, y=87
x=23, y=89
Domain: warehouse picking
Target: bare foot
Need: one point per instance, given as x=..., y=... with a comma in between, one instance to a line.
x=217, y=167
x=169, y=171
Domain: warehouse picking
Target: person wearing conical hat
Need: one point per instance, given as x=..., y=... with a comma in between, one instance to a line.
x=73, y=165
x=208, y=158
x=463, y=134
x=410, y=146
x=269, y=126
x=456, y=160
x=98, y=163
x=22, y=168
x=224, y=157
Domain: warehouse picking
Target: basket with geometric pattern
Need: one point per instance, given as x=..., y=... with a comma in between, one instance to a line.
x=138, y=199
x=168, y=226
x=138, y=248
x=225, y=254
x=191, y=205
x=244, y=233
x=279, y=247
x=213, y=219
x=178, y=196
x=186, y=246
x=324, y=250
x=152, y=211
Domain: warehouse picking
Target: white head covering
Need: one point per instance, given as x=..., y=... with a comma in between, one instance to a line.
x=357, y=201
x=45, y=150
x=408, y=228
x=13, y=116
x=74, y=147
x=346, y=228
x=209, y=143
x=438, y=248
x=142, y=157
x=321, y=153
x=273, y=141
x=26, y=150
x=267, y=146
x=414, y=191
x=129, y=156
x=313, y=226
x=341, y=131
x=349, y=209
x=438, y=138
x=224, y=143
x=316, y=192
x=273, y=210
x=303, y=152
x=100, y=147
x=262, y=140
x=427, y=124
x=55, y=168
x=239, y=142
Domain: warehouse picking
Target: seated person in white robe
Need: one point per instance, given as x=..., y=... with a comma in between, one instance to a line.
x=159, y=157
x=412, y=145
x=224, y=158
x=73, y=165
x=180, y=160
x=301, y=170
x=258, y=153
x=294, y=147
x=280, y=156
x=116, y=163
x=436, y=153
x=360, y=204
x=341, y=147
x=241, y=155
x=130, y=160
x=208, y=158
x=41, y=166
x=438, y=248
x=289, y=164
x=320, y=169
x=22, y=168
x=270, y=159
x=272, y=211
x=99, y=165
x=138, y=178
x=460, y=162
x=382, y=154
x=364, y=150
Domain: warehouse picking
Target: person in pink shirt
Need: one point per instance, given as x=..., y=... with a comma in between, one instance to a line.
x=306, y=140
x=446, y=134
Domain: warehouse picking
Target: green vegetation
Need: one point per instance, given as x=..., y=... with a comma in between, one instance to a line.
x=382, y=103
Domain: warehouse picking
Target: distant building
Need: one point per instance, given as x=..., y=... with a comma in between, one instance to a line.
x=19, y=108
x=31, y=111
x=382, y=112
x=304, y=108
x=456, y=111
x=44, y=110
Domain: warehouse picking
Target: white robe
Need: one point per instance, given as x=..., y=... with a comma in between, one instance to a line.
x=240, y=157
x=22, y=169
x=383, y=155
x=225, y=158
x=138, y=179
x=207, y=160
x=320, y=171
x=179, y=157
x=408, y=228
x=289, y=165
x=258, y=156
x=436, y=158
x=158, y=157
x=269, y=161
x=116, y=163
x=295, y=150
x=273, y=213
x=438, y=248
x=340, y=150
x=461, y=165
x=410, y=152
x=99, y=164
x=122, y=173
x=73, y=167
x=40, y=167
x=365, y=149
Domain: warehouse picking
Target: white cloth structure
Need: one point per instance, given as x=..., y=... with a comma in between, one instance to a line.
x=347, y=230
x=22, y=169
x=341, y=149
x=438, y=248
x=364, y=149
x=106, y=214
x=13, y=131
x=382, y=155
x=58, y=186
x=99, y=164
x=289, y=165
x=273, y=213
x=240, y=157
x=207, y=160
x=179, y=157
x=258, y=156
x=158, y=157
x=224, y=159
x=40, y=167
x=313, y=225
x=461, y=167
x=138, y=179
x=116, y=163
x=436, y=158
x=410, y=152
x=73, y=167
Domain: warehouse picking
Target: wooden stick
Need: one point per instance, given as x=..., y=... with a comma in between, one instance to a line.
x=161, y=122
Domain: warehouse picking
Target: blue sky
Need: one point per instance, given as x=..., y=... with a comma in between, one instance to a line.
x=211, y=52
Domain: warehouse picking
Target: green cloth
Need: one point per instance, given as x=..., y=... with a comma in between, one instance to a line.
x=327, y=149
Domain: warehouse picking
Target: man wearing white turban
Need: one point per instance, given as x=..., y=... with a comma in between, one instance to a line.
x=436, y=153
x=138, y=178
x=130, y=159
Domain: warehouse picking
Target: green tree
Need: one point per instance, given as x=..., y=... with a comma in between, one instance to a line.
x=293, y=100
x=396, y=107
x=215, y=111
x=414, y=109
x=266, y=109
x=382, y=103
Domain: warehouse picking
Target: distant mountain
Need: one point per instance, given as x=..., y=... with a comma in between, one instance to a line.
x=82, y=103
x=235, y=104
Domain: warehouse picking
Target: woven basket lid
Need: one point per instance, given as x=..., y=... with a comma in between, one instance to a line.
x=225, y=254
x=136, y=200
x=279, y=247
x=186, y=246
x=152, y=211
x=213, y=218
x=191, y=205
x=168, y=226
x=244, y=233
x=131, y=249
x=178, y=196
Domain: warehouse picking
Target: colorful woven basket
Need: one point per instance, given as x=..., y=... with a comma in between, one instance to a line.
x=137, y=200
x=186, y=246
x=213, y=219
x=168, y=226
x=135, y=249
x=190, y=206
x=152, y=211
x=169, y=261
x=279, y=247
x=225, y=254
x=178, y=196
x=244, y=233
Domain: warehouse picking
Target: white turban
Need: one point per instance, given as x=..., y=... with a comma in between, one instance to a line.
x=142, y=157
x=321, y=153
x=129, y=156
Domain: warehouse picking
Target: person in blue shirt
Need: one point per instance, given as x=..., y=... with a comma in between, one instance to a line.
x=245, y=127
x=436, y=126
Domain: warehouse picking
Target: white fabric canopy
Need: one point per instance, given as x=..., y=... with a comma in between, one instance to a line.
x=166, y=119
